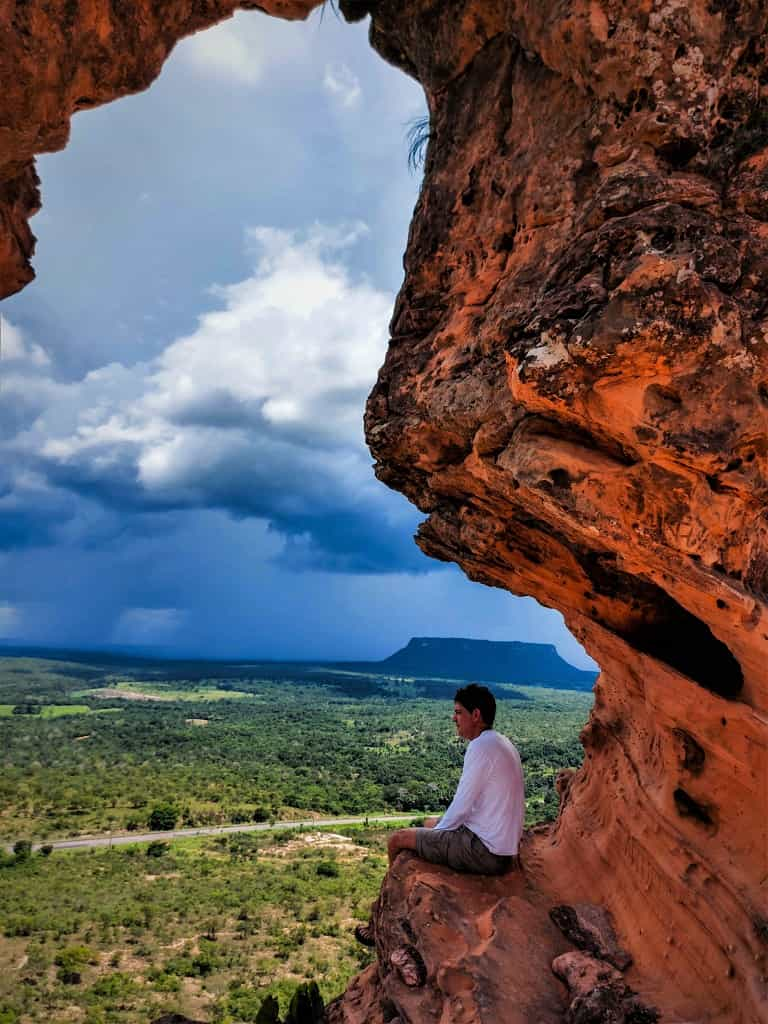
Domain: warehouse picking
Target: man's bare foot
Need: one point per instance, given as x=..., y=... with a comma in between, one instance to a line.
x=409, y=965
x=364, y=935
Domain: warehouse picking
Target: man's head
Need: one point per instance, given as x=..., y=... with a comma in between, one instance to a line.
x=474, y=710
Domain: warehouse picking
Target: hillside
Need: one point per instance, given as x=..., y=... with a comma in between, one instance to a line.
x=486, y=661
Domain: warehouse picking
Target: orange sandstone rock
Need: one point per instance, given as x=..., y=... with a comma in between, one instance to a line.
x=576, y=394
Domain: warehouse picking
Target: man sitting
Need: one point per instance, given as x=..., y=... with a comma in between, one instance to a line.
x=480, y=832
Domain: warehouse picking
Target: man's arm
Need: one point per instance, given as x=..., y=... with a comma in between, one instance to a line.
x=476, y=770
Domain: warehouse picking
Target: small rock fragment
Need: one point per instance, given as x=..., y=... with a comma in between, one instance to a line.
x=409, y=965
x=599, y=994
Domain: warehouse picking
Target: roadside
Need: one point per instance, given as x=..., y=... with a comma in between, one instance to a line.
x=128, y=838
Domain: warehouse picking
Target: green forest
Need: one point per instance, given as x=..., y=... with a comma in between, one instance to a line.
x=212, y=926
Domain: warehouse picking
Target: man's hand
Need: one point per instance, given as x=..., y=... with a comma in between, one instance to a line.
x=430, y=822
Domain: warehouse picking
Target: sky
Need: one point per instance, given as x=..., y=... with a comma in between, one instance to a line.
x=182, y=387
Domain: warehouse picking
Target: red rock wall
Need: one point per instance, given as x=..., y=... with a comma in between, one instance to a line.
x=576, y=393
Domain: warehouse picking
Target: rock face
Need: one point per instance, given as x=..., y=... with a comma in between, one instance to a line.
x=486, y=944
x=576, y=393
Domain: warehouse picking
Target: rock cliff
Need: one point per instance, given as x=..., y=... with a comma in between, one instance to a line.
x=576, y=394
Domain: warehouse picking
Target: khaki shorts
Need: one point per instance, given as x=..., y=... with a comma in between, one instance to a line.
x=461, y=850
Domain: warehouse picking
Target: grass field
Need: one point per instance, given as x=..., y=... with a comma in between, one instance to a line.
x=157, y=691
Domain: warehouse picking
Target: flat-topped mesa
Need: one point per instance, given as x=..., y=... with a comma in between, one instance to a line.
x=59, y=57
x=576, y=393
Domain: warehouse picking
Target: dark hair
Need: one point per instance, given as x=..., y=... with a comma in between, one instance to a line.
x=480, y=697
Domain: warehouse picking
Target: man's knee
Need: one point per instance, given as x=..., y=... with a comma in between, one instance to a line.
x=402, y=839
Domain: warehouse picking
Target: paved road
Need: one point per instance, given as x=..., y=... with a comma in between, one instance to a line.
x=124, y=839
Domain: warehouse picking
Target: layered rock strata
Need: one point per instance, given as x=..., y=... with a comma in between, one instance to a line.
x=576, y=394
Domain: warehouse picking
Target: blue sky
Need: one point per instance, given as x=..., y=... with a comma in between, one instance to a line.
x=182, y=388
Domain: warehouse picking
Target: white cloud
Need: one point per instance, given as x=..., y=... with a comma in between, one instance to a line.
x=342, y=84
x=258, y=411
x=10, y=620
x=14, y=348
x=241, y=49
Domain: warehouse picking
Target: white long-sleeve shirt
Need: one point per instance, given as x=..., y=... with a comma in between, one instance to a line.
x=490, y=797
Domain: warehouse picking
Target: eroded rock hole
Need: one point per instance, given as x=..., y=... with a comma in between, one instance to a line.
x=663, y=629
x=688, y=645
x=760, y=924
x=692, y=753
x=687, y=807
x=560, y=478
x=678, y=152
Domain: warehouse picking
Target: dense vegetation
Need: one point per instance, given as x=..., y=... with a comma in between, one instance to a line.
x=256, y=749
x=212, y=927
x=205, y=927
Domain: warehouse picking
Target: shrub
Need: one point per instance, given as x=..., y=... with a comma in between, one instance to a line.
x=22, y=849
x=114, y=986
x=327, y=869
x=247, y=1004
x=19, y=926
x=164, y=982
x=157, y=848
x=70, y=961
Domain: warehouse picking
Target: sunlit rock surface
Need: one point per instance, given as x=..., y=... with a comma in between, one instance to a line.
x=576, y=393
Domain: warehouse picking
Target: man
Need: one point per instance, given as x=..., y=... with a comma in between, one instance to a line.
x=480, y=832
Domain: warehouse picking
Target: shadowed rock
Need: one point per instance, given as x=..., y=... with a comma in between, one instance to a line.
x=590, y=928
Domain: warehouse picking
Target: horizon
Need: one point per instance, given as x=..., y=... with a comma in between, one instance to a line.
x=140, y=653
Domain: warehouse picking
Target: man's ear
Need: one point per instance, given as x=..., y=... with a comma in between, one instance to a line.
x=477, y=715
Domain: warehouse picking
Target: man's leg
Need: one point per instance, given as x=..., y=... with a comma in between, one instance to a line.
x=405, y=838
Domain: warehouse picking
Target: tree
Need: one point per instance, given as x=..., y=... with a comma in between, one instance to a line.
x=163, y=817
x=306, y=1006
